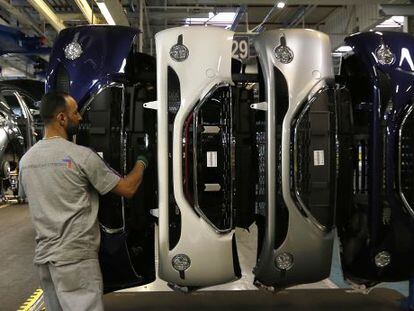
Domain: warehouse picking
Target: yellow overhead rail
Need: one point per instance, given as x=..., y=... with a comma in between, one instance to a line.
x=48, y=14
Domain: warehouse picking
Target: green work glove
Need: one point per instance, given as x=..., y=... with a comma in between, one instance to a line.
x=143, y=159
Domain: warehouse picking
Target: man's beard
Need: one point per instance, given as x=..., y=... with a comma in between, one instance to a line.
x=72, y=130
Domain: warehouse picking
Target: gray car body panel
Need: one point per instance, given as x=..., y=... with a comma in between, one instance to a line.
x=309, y=71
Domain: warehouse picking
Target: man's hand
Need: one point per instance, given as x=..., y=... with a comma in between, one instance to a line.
x=145, y=155
x=128, y=185
x=142, y=158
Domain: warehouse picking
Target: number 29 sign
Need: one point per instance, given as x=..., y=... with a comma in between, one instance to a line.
x=243, y=47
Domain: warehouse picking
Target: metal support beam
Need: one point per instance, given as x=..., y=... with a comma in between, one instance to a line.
x=176, y=15
x=141, y=25
x=353, y=18
x=301, y=14
x=239, y=14
x=78, y=17
x=246, y=20
x=20, y=16
x=65, y=17
x=49, y=15
x=165, y=9
x=113, y=12
x=259, y=27
x=87, y=11
x=292, y=2
x=397, y=9
x=149, y=31
x=6, y=63
x=181, y=8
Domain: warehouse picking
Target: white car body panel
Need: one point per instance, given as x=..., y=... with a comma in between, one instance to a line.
x=208, y=64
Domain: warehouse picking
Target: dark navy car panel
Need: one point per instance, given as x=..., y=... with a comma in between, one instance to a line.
x=377, y=227
x=96, y=65
x=84, y=58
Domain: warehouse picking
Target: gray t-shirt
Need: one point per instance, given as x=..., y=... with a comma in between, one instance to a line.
x=61, y=181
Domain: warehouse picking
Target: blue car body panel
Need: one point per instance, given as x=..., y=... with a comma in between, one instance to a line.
x=390, y=226
x=401, y=74
x=105, y=51
x=110, y=83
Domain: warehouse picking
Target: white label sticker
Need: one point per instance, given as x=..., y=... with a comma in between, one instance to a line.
x=318, y=157
x=211, y=158
x=212, y=187
x=100, y=153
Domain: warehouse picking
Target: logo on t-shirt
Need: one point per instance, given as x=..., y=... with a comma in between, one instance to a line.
x=68, y=161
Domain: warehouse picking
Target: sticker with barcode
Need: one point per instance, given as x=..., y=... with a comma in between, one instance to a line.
x=211, y=158
x=318, y=157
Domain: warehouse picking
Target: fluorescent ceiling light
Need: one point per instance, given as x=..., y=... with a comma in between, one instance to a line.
x=281, y=4
x=392, y=22
x=220, y=19
x=344, y=49
x=196, y=20
x=113, y=12
x=223, y=17
x=105, y=12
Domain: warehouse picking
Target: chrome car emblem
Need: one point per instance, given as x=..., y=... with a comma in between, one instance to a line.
x=73, y=50
x=284, y=261
x=181, y=262
x=283, y=53
x=384, y=55
x=382, y=259
x=179, y=52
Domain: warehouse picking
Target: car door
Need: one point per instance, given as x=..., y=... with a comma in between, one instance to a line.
x=297, y=147
x=33, y=108
x=12, y=147
x=21, y=114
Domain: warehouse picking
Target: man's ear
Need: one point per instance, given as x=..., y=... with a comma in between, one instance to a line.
x=61, y=118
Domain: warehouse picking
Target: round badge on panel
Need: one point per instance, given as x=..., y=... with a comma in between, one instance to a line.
x=382, y=259
x=179, y=52
x=73, y=50
x=384, y=55
x=284, y=261
x=181, y=262
x=283, y=53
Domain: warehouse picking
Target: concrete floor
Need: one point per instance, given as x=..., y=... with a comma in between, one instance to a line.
x=18, y=279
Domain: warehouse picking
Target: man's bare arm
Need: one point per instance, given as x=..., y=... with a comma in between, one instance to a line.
x=128, y=185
